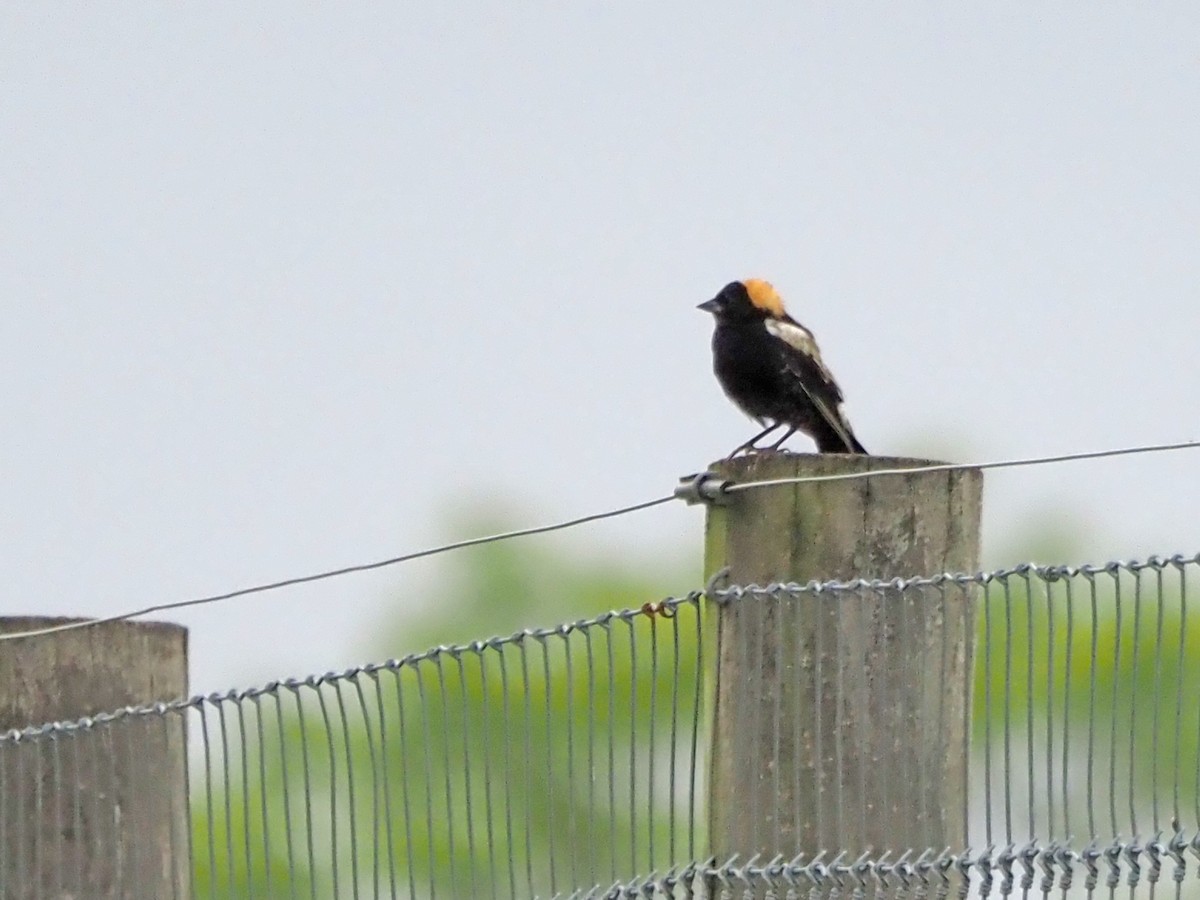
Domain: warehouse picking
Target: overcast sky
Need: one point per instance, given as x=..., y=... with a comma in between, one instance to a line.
x=280, y=285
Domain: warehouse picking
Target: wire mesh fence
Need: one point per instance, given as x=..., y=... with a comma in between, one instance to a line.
x=575, y=761
x=1080, y=763
x=512, y=767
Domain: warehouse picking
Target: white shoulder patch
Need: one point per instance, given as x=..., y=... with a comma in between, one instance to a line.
x=794, y=335
x=800, y=339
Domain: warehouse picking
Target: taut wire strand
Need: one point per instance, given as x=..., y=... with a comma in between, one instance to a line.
x=955, y=467
x=334, y=573
x=581, y=520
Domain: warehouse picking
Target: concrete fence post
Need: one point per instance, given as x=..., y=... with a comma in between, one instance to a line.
x=841, y=718
x=98, y=812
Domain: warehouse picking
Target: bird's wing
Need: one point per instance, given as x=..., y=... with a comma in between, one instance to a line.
x=802, y=358
x=802, y=341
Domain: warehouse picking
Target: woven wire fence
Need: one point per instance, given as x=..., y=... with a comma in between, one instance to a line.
x=574, y=761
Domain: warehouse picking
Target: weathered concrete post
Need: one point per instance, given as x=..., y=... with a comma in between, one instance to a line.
x=841, y=716
x=99, y=811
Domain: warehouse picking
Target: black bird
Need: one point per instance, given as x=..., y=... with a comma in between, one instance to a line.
x=769, y=365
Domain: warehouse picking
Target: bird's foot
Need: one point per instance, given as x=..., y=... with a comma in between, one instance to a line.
x=743, y=450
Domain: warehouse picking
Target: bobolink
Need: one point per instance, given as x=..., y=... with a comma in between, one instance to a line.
x=769, y=365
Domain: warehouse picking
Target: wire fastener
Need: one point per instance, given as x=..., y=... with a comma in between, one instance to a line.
x=703, y=487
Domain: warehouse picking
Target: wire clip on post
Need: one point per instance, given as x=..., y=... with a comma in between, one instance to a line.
x=703, y=487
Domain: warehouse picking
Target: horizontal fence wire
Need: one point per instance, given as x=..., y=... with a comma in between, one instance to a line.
x=700, y=487
x=1047, y=742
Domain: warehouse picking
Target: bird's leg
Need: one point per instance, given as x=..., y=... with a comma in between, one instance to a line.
x=779, y=443
x=749, y=445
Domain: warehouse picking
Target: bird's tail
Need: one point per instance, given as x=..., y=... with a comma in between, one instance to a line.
x=838, y=440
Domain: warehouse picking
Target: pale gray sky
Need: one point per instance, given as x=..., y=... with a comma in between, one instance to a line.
x=280, y=283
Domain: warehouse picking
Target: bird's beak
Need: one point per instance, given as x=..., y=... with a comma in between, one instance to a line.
x=710, y=306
